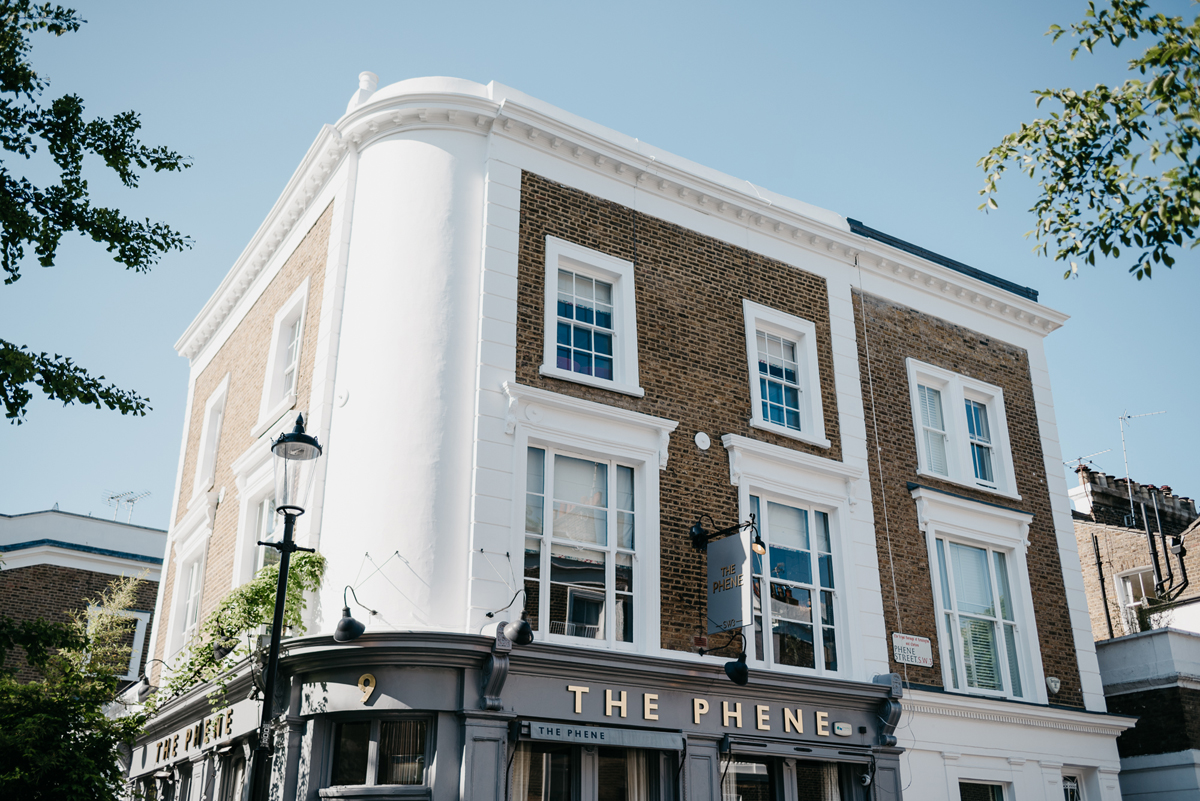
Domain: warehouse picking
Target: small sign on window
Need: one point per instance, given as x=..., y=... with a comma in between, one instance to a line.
x=910, y=650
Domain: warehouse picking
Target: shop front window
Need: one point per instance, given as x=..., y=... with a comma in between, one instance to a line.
x=398, y=758
x=555, y=771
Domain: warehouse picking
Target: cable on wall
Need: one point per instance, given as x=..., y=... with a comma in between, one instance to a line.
x=879, y=452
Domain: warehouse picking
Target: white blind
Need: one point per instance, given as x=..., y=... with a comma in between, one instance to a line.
x=933, y=428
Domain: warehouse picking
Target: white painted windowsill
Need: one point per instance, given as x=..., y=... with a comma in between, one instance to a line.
x=272, y=416
x=591, y=381
x=969, y=485
x=820, y=442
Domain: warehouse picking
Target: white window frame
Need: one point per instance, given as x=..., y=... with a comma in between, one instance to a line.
x=804, y=334
x=275, y=400
x=561, y=254
x=191, y=549
x=794, y=478
x=953, y=518
x=210, y=439
x=255, y=477
x=956, y=390
x=142, y=619
x=611, y=550
x=1124, y=602
x=595, y=431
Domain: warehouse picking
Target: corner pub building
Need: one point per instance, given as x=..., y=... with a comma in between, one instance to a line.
x=540, y=354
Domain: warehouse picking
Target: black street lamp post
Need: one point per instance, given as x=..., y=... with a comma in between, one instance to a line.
x=295, y=457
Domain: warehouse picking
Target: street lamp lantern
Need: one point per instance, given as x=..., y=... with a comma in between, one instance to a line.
x=295, y=467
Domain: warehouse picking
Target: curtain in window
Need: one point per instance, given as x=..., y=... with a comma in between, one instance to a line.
x=521, y=773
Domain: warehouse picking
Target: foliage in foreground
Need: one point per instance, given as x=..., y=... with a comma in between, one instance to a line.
x=38, y=216
x=236, y=621
x=55, y=740
x=1085, y=156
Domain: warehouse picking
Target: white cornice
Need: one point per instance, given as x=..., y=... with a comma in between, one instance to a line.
x=575, y=140
x=306, y=183
x=990, y=711
x=519, y=394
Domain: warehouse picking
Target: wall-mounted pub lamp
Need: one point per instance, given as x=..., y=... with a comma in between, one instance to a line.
x=737, y=670
x=701, y=537
x=143, y=688
x=348, y=628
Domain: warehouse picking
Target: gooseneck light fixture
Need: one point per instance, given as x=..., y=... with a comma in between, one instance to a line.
x=296, y=454
x=702, y=537
x=737, y=670
x=348, y=628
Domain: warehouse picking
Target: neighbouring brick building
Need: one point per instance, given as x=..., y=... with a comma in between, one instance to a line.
x=1144, y=598
x=54, y=563
x=544, y=359
x=1119, y=570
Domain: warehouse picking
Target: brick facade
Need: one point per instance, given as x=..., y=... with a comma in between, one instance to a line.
x=1168, y=720
x=896, y=333
x=691, y=358
x=1124, y=548
x=243, y=356
x=56, y=593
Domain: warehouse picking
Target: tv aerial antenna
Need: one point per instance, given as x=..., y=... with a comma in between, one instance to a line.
x=1124, y=419
x=115, y=499
x=1080, y=461
x=133, y=499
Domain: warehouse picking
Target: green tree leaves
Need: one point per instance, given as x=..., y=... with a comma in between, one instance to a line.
x=35, y=218
x=56, y=742
x=1085, y=156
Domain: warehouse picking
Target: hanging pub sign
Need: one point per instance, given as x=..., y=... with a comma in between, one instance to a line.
x=728, y=584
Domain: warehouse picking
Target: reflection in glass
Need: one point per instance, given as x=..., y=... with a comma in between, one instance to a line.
x=402, y=752
x=350, y=743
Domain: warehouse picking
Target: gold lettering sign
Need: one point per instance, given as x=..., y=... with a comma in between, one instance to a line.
x=731, y=715
x=763, y=722
x=579, y=691
x=649, y=707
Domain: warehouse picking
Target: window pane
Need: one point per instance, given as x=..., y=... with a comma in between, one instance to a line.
x=830, y=644
x=577, y=592
x=566, y=282
x=350, y=741
x=827, y=608
x=819, y=781
x=977, y=421
x=624, y=621
x=581, y=495
x=1014, y=666
x=1002, y=586
x=972, y=580
x=931, y=407
x=402, y=752
x=941, y=555
x=542, y=772
x=791, y=603
x=822, y=531
x=756, y=602
x=980, y=657
x=793, y=643
x=747, y=781
x=981, y=462
x=971, y=791
x=790, y=565
x=787, y=526
x=950, y=639
x=604, y=368
x=826, y=565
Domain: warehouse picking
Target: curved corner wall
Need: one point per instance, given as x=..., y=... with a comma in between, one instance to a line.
x=399, y=457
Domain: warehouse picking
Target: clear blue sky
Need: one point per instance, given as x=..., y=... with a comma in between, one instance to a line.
x=876, y=110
